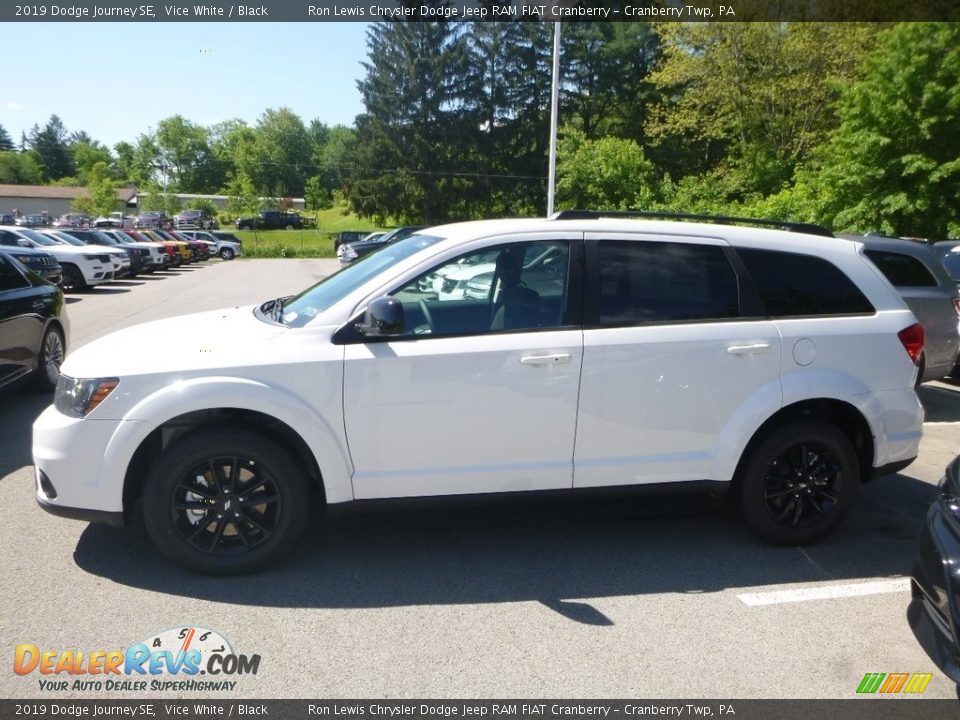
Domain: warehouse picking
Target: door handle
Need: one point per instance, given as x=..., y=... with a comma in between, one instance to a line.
x=558, y=359
x=752, y=349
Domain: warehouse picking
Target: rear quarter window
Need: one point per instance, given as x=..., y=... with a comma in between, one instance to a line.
x=901, y=270
x=797, y=285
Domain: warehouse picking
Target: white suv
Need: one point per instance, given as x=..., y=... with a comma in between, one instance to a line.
x=82, y=266
x=777, y=365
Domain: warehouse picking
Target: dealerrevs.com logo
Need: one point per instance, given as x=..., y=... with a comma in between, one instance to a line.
x=894, y=683
x=173, y=659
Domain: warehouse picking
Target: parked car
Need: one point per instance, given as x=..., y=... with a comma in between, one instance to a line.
x=42, y=263
x=172, y=250
x=352, y=236
x=227, y=423
x=139, y=256
x=226, y=249
x=948, y=253
x=8, y=219
x=33, y=326
x=152, y=219
x=201, y=250
x=114, y=220
x=33, y=220
x=929, y=292
x=271, y=220
x=120, y=260
x=72, y=220
x=154, y=254
x=933, y=613
x=82, y=267
x=186, y=250
x=349, y=252
x=193, y=220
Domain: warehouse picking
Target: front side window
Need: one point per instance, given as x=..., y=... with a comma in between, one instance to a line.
x=657, y=282
x=515, y=286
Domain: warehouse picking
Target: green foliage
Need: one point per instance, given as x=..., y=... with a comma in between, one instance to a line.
x=316, y=195
x=207, y=206
x=19, y=169
x=183, y=154
x=6, y=142
x=156, y=199
x=244, y=199
x=86, y=155
x=607, y=174
x=52, y=149
x=102, y=199
x=893, y=164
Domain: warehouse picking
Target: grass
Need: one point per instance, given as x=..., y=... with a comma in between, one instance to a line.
x=311, y=242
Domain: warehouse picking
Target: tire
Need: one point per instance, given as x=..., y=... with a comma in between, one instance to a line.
x=289, y=227
x=226, y=253
x=49, y=359
x=188, y=518
x=799, y=483
x=73, y=280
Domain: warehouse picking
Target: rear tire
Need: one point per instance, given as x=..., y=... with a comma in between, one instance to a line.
x=225, y=502
x=49, y=359
x=799, y=483
x=226, y=254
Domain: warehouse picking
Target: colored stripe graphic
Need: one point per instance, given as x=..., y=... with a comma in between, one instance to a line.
x=870, y=682
x=894, y=683
x=918, y=683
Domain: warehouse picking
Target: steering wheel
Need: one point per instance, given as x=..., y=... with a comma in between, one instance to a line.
x=425, y=309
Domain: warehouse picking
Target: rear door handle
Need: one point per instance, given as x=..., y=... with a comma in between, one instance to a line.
x=558, y=359
x=751, y=349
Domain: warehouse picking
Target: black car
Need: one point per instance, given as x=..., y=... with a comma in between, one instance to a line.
x=139, y=257
x=934, y=611
x=42, y=263
x=348, y=252
x=33, y=326
x=152, y=219
x=271, y=220
x=228, y=236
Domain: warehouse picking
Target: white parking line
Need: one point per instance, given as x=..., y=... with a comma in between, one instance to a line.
x=827, y=592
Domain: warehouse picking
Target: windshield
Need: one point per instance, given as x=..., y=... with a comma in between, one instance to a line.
x=69, y=239
x=302, y=308
x=37, y=237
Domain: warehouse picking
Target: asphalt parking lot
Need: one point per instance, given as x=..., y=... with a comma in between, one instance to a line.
x=656, y=597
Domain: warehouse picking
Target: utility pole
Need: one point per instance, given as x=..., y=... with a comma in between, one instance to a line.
x=554, y=102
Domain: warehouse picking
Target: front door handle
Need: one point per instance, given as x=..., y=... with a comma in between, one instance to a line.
x=751, y=349
x=558, y=359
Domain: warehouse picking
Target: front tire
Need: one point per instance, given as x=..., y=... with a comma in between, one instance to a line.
x=799, y=483
x=225, y=502
x=226, y=254
x=73, y=280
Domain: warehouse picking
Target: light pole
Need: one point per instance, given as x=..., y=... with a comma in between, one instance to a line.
x=554, y=102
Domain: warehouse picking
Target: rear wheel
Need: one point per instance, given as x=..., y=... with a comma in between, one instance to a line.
x=226, y=253
x=49, y=359
x=225, y=502
x=799, y=483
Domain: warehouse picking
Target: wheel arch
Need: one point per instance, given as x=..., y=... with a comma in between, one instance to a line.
x=848, y=418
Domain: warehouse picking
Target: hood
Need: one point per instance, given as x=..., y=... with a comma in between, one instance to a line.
x=220, y=338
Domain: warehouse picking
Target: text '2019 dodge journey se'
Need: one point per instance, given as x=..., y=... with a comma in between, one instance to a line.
x=607, y=351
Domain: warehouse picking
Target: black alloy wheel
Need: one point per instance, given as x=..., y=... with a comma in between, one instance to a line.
x=72, y=279
x=799, y=483
x=49, y=360
x=225, y=501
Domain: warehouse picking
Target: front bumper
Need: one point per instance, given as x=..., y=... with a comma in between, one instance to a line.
x=935, y=587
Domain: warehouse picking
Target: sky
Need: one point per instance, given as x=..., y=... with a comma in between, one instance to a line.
x=116, y=81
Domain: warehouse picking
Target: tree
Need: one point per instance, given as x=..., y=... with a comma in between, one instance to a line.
x=243, y=197
x=19, y=169
x=86, y=155
x=409, y=145
x=608, y=174
x=893, y=164
x=53, y=152
x=751, y=99
x=102, y=198
x=137, y=165
x=280, y=151
x=6, y=142
x=184, y=154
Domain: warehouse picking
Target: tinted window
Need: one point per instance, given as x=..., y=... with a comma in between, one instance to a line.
x=901, y=270
x=951, y=261
x=796, y=285
x=642, y=282
x=10, y=278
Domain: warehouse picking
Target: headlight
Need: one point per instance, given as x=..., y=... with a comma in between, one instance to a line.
x=78, y=397
x=90, y=257
x=348, y=252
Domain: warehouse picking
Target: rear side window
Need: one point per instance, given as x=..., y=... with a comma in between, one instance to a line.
x=656, y=282
x=10, y=278
x=901, y=270
x=797, y=285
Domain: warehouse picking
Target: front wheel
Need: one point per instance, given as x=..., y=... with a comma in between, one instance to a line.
x=226, y=254
x=73, y=279
x=799, y=483
x=225, y=502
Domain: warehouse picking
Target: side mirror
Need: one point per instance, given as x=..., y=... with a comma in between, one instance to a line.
x=383, y=318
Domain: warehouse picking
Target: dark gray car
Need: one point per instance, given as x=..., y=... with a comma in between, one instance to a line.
x=920, y=278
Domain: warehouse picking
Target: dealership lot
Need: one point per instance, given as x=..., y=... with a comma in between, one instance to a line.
x=654, y=597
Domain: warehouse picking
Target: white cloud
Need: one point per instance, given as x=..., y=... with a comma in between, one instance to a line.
x=13, y=105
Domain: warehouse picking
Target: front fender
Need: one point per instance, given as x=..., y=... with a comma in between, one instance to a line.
x=318, y=432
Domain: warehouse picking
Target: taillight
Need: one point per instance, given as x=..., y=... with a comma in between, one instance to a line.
x=956, y=305
x=912, y=339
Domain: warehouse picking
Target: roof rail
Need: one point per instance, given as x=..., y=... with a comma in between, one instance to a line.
x=809, y=228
